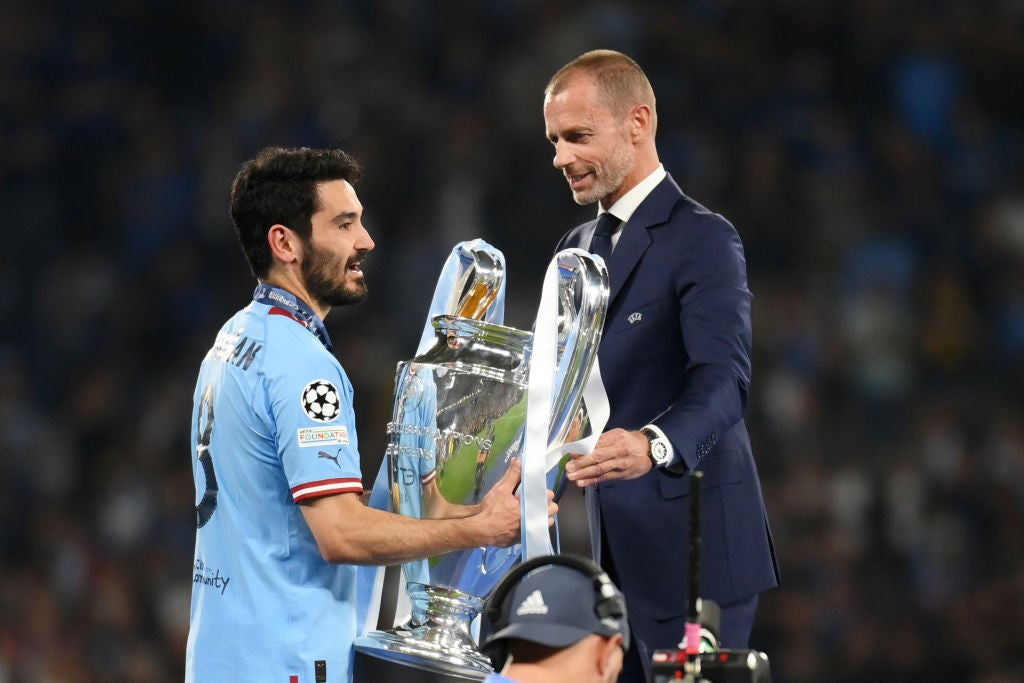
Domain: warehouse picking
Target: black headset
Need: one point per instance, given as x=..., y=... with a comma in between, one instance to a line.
x=609, y=604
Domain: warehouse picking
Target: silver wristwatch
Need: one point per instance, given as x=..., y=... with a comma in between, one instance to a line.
x=659, y=449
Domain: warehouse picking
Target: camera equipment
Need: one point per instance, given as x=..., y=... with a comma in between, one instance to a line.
x=723, y=666
x=698, y=658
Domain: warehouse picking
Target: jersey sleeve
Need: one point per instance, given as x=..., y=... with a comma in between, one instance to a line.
x=310, y=401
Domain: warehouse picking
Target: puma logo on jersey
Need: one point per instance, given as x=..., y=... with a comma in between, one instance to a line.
x=328, y=456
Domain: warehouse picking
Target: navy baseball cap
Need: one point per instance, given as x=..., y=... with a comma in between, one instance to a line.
x=557, y=605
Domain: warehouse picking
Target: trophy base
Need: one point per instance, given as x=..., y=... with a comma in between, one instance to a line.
x=403, y=652
x=375, y=667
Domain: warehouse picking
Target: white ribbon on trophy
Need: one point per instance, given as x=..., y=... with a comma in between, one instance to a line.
x=538, y=458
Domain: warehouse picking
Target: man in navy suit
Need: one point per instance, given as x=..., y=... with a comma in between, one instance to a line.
x=675, y=359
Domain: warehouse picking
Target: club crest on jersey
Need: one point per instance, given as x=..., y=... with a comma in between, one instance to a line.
x=320, y=401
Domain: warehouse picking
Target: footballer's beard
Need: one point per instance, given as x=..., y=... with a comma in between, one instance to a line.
x=324, y=283
x=607, y=178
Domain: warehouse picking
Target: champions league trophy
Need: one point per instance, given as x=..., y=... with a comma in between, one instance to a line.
x=460, y=417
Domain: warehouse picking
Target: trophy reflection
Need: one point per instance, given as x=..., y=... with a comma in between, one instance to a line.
x=459, y=419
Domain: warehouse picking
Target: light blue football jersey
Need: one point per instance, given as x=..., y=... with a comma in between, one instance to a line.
x=273, y=425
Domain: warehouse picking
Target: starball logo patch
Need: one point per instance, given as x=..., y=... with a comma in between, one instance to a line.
x=320, y=400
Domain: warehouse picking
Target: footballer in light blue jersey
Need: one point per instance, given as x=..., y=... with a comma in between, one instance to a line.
x=273, y=434
x=280, y=524
x=274, y=426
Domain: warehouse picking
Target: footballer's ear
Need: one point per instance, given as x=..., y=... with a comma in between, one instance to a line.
x=284, y=243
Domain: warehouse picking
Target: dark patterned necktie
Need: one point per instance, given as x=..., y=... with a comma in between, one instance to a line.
x=601, y=243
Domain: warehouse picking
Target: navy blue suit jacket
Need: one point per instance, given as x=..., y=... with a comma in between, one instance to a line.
x=676, y=353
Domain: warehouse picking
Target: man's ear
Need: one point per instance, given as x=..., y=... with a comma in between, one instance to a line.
x=284, y=243
x=609, y=662
x=640, y=120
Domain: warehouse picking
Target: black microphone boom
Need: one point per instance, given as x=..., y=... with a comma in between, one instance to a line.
x=699, y=658
x=696, y=479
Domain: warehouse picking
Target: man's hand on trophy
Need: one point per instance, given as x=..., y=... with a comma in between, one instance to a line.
x=500, y=509
x=618, y=454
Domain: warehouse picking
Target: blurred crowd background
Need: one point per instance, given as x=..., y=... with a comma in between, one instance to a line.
x=869, y=152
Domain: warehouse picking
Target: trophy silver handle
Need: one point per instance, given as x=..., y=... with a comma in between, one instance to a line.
x=582, y=305
x=479, y=277
x=471, y=285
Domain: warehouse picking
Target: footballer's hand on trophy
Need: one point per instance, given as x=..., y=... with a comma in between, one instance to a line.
x=500, y=510
x=618, y=454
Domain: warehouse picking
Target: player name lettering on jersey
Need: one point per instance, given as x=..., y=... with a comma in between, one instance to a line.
x=232, y=347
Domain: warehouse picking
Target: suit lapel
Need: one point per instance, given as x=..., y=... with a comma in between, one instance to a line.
x=636, y=238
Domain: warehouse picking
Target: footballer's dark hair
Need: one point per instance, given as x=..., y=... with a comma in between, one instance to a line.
x=279, y=186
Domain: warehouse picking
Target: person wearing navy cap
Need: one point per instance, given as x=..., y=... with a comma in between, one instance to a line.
x=555, y=618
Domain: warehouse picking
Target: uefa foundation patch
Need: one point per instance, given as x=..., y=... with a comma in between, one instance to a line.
x=320, y=401
x=323, y=436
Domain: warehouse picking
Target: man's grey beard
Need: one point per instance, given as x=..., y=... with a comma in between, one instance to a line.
x=615, y=172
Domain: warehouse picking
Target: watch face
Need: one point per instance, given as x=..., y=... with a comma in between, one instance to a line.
x=659, y=451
